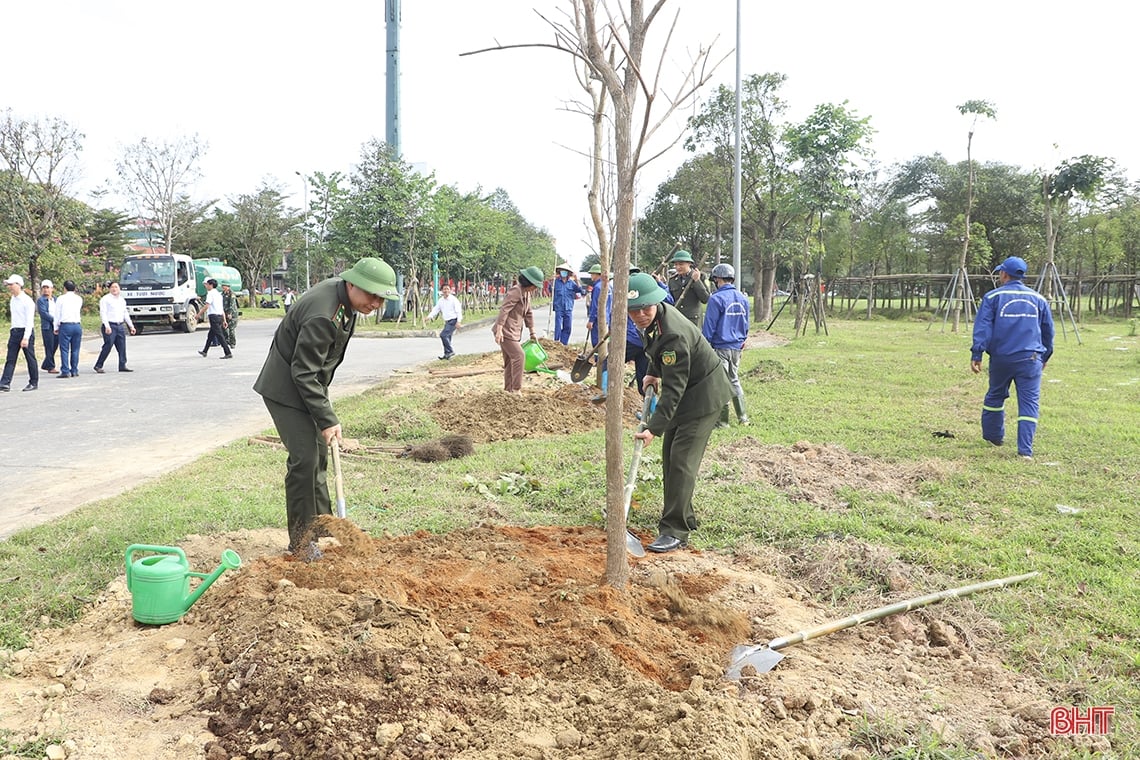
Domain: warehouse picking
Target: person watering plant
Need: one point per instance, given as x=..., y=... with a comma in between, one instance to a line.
x=692, y=388
x=566, y=289
x=306, y=350
x=1015, y=327
x=513, y=314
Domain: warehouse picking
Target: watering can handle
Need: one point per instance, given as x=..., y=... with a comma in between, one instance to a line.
x=157, y=550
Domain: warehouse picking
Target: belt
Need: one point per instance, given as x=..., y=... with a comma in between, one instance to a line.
x=75, y=323
x=115, y=324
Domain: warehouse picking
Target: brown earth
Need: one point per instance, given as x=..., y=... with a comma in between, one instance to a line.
x=505, y=642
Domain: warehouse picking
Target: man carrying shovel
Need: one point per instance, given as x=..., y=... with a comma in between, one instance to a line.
x=294, y=382
x=692, y=388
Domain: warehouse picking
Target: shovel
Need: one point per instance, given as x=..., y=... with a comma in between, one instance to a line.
x=632, y=542
x=764, y=657
x=586, y=360
x=340, y=511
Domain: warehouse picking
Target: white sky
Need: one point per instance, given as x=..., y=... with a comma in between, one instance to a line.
x=276, y=88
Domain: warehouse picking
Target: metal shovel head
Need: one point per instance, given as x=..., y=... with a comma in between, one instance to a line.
x=581, y=369
x=633, y=545
x=761, y=658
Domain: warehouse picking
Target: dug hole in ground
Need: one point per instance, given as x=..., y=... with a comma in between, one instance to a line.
x=504, y=642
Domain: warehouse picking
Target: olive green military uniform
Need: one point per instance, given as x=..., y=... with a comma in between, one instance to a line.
x=307, y=348
x=693, y=390
x=229, y=306
x=696, y=295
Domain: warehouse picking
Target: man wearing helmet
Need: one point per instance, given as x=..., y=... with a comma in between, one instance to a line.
x=306, y=350
x=566, y=290
x=687, y=287
x=726, y=328
x=692, y=388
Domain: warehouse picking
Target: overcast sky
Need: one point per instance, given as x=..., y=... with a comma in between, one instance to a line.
x=275, y=88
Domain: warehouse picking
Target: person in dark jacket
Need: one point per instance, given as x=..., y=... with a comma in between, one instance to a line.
x=596, y=278
x=566, y=291
x=306, y=350
x=726, y=328
x=1015, y=327
x=692, y=388
x=45, y=307
x=688, y=287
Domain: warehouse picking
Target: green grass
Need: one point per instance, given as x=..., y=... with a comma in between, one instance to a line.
x=878, y=388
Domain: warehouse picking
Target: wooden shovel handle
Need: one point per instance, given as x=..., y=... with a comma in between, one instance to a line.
x=340, y=508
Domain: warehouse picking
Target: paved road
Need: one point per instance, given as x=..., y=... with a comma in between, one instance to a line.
x=81, y=439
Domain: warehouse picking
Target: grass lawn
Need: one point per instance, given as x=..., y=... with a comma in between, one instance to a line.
x=878, y=388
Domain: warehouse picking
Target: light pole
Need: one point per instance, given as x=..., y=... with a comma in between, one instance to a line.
x=305, y=180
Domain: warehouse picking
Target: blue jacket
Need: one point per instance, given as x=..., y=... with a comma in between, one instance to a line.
x=564, y=293
x=592, y=309
x=1013, y=319
x=632, y=334
x=726, y=318
x=43, y=306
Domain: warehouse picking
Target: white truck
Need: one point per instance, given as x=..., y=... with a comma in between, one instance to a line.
x=168, y=289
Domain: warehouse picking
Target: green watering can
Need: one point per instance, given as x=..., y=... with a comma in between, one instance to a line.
x=534, y=356
x=160, y=585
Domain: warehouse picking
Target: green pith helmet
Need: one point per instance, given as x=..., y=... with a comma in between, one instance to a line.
x=682, y=256
x=644, y=291
x=596, y=269
x=374, y=276
x=533, y=275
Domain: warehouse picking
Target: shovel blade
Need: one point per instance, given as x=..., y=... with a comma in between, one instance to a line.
x=581, y=369
x=633, y=545
x=761, y=658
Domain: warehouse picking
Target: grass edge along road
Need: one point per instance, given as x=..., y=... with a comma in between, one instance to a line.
x=879, y=389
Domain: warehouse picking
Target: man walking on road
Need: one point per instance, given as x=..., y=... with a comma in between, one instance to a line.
x=1015, y=327
x=22, y=336
x=451, y=310
x=307, y=348
x=217, y=315
x=68, y=313
x=116, y=321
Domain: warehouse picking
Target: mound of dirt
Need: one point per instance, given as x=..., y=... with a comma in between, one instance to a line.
x=503, y=643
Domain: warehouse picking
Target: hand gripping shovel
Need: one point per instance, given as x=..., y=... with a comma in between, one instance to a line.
x=586, y=360
x=340, y=511
x=632, y=542
x=764, y=657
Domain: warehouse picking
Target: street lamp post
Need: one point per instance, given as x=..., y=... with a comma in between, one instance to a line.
x=305, y=180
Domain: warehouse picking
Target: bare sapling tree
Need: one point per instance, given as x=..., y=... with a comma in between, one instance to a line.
x=612, y=45
x=975, y=108
x=155, y=176
x=39, y=165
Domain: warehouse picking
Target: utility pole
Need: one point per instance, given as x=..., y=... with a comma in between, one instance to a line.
x=308, y=278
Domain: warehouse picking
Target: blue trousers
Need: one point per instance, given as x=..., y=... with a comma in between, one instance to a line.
x=563, y=318
x=50, y=344
x=445, y=336
x=1024, y=371
x=70, y=336
x=117, y=338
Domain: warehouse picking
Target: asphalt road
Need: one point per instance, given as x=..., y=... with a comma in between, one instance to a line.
x=81, y=439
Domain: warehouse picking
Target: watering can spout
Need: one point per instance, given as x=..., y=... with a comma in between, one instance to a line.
x=230, y=561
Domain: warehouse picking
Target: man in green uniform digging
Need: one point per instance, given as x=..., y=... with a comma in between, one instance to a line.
x=692, y=388
x=294, y=382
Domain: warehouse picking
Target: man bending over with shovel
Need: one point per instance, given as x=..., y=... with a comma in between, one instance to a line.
x=294, y=383
x=692, y=388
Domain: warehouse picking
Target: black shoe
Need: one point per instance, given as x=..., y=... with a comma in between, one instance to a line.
x=228, y=356
x=665, y=543
x=125, y=369
x=5, y=388
x=202, y=354
x=310, y=552
x=98, y=370
x=31, y=387
x=62, y=376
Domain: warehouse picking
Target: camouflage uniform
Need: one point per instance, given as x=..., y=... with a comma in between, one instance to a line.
x=229, y=306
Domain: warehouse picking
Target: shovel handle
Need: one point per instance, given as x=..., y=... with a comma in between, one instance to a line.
x=339, y=478
x=638, y=445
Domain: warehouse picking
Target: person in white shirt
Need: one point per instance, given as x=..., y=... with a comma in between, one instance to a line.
x=451, y=310
x=116, y=321
x=290, y=296
x=22, y=336
x=216, y=311
x=68, y=312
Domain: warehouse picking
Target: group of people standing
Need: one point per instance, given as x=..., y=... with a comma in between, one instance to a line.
x=60, y=329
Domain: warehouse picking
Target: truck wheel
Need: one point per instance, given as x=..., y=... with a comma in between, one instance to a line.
x=191, y=322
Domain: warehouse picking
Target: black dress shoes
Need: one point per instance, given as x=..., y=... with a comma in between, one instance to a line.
x=98, y=370
x=125, y=369
x=31, y=387
x=665, y=543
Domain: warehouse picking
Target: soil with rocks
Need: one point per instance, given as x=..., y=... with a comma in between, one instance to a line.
x=506, y=642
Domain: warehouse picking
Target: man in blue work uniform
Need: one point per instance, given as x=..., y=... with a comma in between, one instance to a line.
x=1015, y=327
x=634, y=345
x=592, y=309
x=691, y=390
x=566, y=289
x=726, y=328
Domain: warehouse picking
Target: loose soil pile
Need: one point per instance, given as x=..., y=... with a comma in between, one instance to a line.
x=505, y=642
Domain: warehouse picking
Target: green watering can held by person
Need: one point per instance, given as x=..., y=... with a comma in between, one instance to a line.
x=160, y=584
